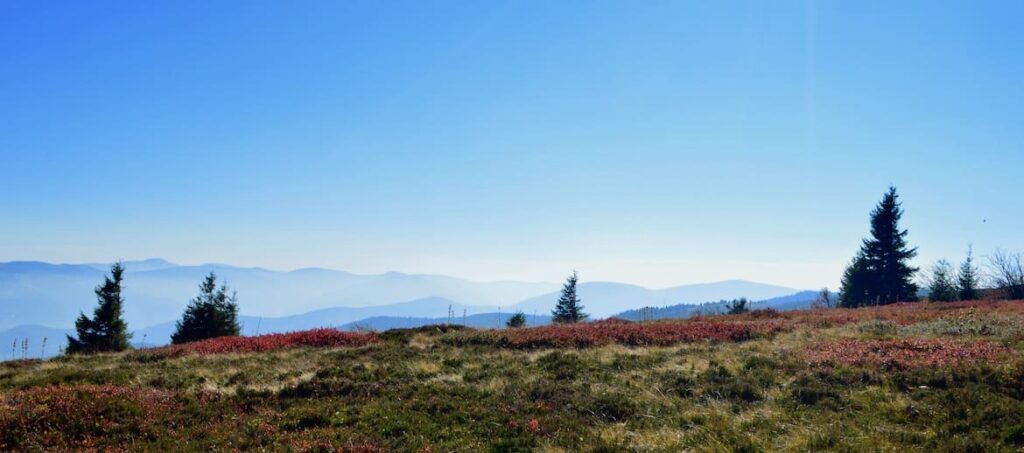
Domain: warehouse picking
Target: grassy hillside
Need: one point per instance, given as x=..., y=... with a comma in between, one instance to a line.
x=915, y=376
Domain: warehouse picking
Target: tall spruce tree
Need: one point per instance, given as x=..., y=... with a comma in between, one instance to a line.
x=568, y=309
x=880, y=273
x=213, y=313
x=106, y=331
x=967, y=278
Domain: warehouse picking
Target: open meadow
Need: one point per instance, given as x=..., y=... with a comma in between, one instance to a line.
x=911, y=377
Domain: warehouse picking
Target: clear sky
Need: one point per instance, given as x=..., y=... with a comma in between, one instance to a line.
x=656, y=143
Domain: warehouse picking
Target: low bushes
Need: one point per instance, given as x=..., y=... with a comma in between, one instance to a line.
x=403, y=335
x=71, y=417
x=630, y=334
x=972, y=323
x=322, y=338
x=905, y=353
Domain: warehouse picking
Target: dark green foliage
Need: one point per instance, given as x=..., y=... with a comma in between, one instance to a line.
x=756, y=362
x=855, y=287
x=612, y=407
x=817, y=390
x=719, y=383
x=761, y=395
x=627, y=362
x=967, y=278
x=211, y=314
x=106, y=331
x=403, y=335
x=563, y=366
x=888, y=252
x=517, y=320
x=941, y=285
x=957, y=415
x=738, y=306
x=682, y=385
x=880, y=273
x=568, y=309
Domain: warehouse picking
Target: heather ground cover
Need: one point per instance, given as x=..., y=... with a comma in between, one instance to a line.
x=910, y=376
x=320, y=338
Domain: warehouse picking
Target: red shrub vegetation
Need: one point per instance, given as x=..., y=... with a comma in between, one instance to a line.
x=901, y=313
x=720, y=327
x=632, y=334
x=80, y=417
x=323, y=338
x=324, y=446
x=764, y=313
x=905, y=353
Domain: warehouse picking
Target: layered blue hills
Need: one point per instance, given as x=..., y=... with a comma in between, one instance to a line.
x=41, y=300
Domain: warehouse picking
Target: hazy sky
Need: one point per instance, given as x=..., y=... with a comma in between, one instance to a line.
x=657, y=143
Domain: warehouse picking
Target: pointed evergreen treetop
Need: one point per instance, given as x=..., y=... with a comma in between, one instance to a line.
x=106, y=331
x=889, y=252
x=942, y=286
x=967, y=278
x=213, y=313
x=568, y=309
x=881, y=274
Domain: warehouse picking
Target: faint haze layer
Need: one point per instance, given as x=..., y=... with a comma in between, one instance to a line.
x=156, y=291
x=654, y=143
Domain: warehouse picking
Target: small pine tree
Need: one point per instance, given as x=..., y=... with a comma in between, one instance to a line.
x=106, y=331
x=211, y=314
x=568, y=309
x=880, y=274
x=738, y=306
x=967, y=278
x=942, y=286
x=517, y=320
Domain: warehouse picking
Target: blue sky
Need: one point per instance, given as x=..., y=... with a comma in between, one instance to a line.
x=657, y=143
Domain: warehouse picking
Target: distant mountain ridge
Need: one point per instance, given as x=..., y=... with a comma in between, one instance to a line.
x=42, y=299
x=156, y=290
x=797, y=301
x=603, y=299
x=339, y=317
x=11, y=341
x=416, y=313
x=479, y=321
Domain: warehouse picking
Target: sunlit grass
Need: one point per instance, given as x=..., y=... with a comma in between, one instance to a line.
x=419, y=389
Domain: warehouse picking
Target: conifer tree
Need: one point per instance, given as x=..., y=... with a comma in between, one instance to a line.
x=880, y=274
x=568, y=309
x=967, y=278
x=106, y=331
x=737, y=306
x=517, y=320
x=941, y=286
x=211, y=314
x=854, y=288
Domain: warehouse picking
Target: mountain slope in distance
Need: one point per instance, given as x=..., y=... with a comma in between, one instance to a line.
x=603, y=299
